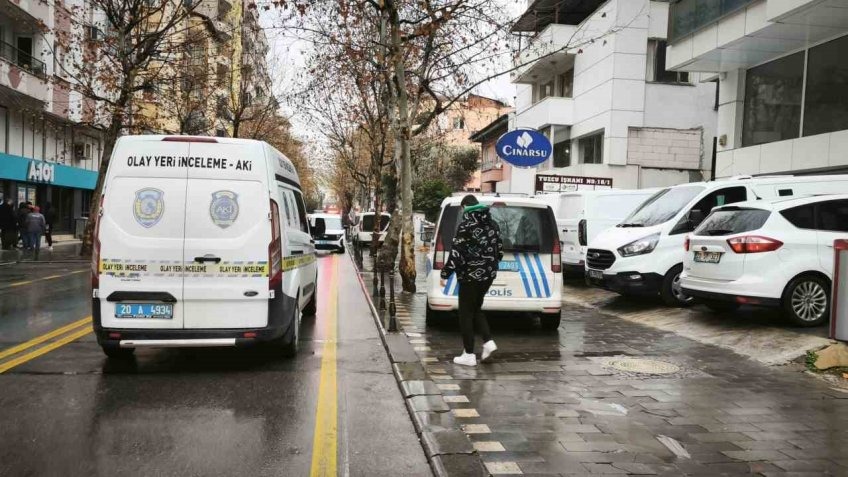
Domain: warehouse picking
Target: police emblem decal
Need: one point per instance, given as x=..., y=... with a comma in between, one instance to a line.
x=224, y=208
x=148, y=206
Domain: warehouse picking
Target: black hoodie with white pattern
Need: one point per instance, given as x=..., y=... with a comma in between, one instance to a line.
x=477, y=249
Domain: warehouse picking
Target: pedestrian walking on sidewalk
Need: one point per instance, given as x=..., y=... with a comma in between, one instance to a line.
x=49, y=217
x=475, y=254
x=24, y=208
x=35, y=227
x=8, y=225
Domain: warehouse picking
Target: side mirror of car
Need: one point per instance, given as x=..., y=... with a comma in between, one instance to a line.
x=695, y=218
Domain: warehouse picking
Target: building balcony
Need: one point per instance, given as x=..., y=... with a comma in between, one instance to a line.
x=26, y=13
x=494, y=173
x=545, y=54
x=24, y=77
x=23, y=60
x=551, y=111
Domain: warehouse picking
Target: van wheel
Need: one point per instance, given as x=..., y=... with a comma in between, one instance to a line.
x=721, y=306
x=290, y=341
x=342, y=250
x=550, y=321
x=806, y=300
x=312, y=307
x=671, y=293
x=433, y=317
x=116, y=353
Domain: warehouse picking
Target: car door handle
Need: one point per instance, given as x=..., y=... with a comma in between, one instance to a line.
x=207, y=258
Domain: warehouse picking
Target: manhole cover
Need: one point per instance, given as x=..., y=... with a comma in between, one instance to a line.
x=646, y=366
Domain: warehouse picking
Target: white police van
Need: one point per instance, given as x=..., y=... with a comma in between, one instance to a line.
x=200, y=241
x=530, y=274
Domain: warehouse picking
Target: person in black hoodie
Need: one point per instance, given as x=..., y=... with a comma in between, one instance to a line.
x=8, y=224
x=475, y=255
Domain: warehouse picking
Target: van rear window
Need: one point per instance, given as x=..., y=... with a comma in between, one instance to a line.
x=523, y=229
x=368, y=222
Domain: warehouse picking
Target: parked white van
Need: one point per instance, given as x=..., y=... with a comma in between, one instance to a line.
x=200, y=241
x=328, y=231
x=363, y=232
x=582, y=215
x=529, y=276
x=644, y=254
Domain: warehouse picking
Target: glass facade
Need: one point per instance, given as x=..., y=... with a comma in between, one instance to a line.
x=826, y=95
x=688, y=16
x=773, y=101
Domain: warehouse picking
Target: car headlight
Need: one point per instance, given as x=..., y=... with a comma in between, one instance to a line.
x=640, y=247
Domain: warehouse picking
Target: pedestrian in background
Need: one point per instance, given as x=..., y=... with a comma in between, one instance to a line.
x=49, y=217
x=8, y=225
x=476, y=252
x=23, y=211
x=35, y=225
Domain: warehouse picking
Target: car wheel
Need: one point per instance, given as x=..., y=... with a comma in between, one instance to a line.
x=550, y=321
x=342, y=250
x=806, y=300
x=721, y=306
x=290, y=341
x=671, y=292
x=433, y=317
x=312, y=307
x=117, y=353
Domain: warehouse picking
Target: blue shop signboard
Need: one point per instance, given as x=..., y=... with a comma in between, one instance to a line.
x=524, y=147
x=21, y=169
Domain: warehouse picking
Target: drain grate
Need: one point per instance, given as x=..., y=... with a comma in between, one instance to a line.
x=643, y=366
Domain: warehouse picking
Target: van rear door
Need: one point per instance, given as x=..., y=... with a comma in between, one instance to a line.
x=227, y=233
x=571, y=211
x=141, y=236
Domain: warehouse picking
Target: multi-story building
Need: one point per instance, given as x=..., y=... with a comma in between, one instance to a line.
x=592, y=76
x=492, y=168
x=49, y=150
x=782, y=75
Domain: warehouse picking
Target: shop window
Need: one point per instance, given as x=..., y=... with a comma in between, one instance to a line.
x=592, y=149
x=826, y=96
x=562, y=154
x=656, y=65
x=773, y=101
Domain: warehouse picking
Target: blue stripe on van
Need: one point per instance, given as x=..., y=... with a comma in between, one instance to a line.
x=533, y=276
x=523, y=277
x=446, y=291
x=544, y=276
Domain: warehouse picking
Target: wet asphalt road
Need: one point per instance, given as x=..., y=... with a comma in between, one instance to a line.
x=192, y=412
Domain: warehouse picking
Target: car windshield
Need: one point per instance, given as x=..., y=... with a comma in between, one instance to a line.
x=368, y=222
x=523, y=229
x=662, y=206
x=330, y=223
x=733, y=221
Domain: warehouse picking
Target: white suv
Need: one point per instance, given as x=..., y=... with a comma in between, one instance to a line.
x=772, y=253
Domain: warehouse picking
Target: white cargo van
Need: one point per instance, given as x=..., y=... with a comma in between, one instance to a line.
x=200, y=241
x=363, y=233
x=582, y=215
x=529, y=275
x=644, y=254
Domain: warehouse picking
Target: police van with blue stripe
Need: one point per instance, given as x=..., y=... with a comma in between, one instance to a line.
x=530, y=273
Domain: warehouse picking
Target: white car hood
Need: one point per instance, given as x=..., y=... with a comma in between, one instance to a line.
x=613, y=238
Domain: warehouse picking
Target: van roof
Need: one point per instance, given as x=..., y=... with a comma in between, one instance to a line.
x=491, y=199
x=324, y=215
x=775, y=179
x=785, y=202
x=283, y=166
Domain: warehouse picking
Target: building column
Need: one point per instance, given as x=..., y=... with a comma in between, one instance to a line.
x=731, y=107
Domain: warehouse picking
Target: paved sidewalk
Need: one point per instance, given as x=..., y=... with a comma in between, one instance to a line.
x=555, y=403
x=62, y=251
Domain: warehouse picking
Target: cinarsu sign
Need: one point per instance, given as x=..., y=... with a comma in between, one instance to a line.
x=524, y=147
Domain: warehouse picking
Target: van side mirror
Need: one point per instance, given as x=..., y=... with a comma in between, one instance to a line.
x=695, y=218
x=319, y=228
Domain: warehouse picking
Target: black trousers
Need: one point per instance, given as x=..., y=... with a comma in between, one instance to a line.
x=471, y=296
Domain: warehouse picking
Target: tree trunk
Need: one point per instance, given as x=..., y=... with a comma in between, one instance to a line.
x=389, y=250
x=407, y=253
x=109, y=139
x=378, y=218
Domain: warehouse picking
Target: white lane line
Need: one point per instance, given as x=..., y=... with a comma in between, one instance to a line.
x=455, y=398
x=488, y=446
x=476, y=429
x=465, y=413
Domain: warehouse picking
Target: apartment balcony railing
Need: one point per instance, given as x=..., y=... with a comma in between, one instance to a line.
x=22, y=59
x=688, y=16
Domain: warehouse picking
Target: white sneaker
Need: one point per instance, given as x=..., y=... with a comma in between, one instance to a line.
x=466, y=359
x=50, y=248
x=489, y=347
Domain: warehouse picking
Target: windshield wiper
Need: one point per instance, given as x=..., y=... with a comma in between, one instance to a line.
x=631, y=225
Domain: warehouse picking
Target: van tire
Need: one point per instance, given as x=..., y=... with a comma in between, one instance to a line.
x=670, y=292
x=550, y=321
x=312, y=307
x=811, y=285
x=117, y=353
x=290, y=341
x=433, y=318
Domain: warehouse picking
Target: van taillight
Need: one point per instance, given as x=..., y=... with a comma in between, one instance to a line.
x=95, y=247
x=275, y=252
x=556, y=255
x=439, y=256
x=581, y=232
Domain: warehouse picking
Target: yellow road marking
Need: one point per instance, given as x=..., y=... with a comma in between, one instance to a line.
x=325, y=441
x=51, y=277
x=41, y=339
x=43, y=350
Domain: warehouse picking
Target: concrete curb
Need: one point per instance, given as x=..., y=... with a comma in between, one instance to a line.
x=448, y=449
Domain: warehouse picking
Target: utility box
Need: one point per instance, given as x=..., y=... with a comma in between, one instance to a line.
x=839, y=292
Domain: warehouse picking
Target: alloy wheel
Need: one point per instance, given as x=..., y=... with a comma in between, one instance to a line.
x=677, y=291
x=809, y=301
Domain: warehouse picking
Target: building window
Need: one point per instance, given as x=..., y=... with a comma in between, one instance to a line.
x=826, y=95
x=459, y=122
x=565, y=84
x=773, y=101
x=562, y=154
x=656, y=65
x=592, y=149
